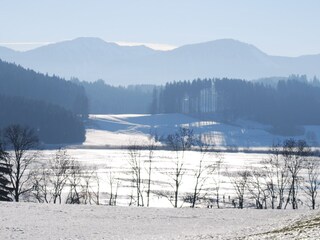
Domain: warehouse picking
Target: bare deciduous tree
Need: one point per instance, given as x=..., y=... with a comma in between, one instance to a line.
x=136, y=165
x=151, y=149
x=257, y=188
x=58, y=173
x=277, y=175
x=114, y=186
x=239, y=181
x=20, y=140
x=179, y=142
x=50, y=179
x=40, y=184
x=90, y=187
x=295, y=153
x=201, y=172
x=311, y=183
x=74, y=181
x=216, y=172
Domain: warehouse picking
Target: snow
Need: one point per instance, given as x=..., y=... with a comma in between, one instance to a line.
x=118, y=130
x=46, y=221
x=116, y=161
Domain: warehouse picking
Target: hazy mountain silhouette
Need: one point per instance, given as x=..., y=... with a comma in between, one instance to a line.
x=92, y=58
x=7, y=53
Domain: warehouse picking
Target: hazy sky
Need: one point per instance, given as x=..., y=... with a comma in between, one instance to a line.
x=278, y=27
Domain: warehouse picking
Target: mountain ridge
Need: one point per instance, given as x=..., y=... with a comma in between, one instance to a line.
x=91, y=59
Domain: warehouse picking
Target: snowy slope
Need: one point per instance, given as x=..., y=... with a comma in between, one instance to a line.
x=45, y=221
x=117, y=130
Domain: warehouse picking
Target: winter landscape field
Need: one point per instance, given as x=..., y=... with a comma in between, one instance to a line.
x=159, y=119
x=106, y=152
x=46, y=221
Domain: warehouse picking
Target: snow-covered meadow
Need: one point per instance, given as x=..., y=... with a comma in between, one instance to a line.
x=116, y=162
x=47, y=221
x=103, y=153
x=108, y=136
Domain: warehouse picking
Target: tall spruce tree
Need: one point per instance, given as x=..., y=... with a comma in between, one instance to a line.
x=5, y=169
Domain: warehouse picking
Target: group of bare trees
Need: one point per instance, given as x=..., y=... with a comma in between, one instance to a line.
x=181, y=143
x=45, y=182
x=62, y=179
x=290, y=174
x=290, y=170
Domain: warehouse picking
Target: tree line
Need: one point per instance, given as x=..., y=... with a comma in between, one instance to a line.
x=285, y=104
x=289, y=176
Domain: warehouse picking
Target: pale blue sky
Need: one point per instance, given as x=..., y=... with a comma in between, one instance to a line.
x=278, y=27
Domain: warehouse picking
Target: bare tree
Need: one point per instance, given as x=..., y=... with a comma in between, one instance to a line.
x=41, y=184
x=258, y=189
x=295, y=153
x=96, y=194
x=90, y=187
x=216, y=172
x=74, y=181
x=114, y=185
x=277, y=175
x=21, y=140
x=58, y=170
x=201, y=173
x=311, y=183
x=151, y=149
x=50, y=179
x=136, y=165
x=239, y=181
x=179, y=142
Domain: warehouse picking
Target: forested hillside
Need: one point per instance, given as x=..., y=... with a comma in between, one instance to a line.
x=52, y=106
x=53, y=124
x=17, y=81
x=106, y=99
x=284, y=105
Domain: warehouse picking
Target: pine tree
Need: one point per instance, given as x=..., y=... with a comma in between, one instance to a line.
x=5, y=169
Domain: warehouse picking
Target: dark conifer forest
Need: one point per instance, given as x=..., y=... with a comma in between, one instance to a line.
x=54, y=107
x=106, y=99
x=284, y=105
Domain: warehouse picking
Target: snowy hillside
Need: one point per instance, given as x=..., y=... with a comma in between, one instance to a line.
x=118, y=130
x=45, y=221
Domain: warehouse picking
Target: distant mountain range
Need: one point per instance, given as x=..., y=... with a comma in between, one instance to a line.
x=91, y=59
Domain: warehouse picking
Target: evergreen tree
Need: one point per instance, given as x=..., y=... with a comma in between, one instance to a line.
x=5, y=169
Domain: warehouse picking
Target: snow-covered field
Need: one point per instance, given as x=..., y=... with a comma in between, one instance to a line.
x=115, y=131
x=118, y=130
x=107, y=134
x=116, y=162
x=102, y=151
x=45, y=221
